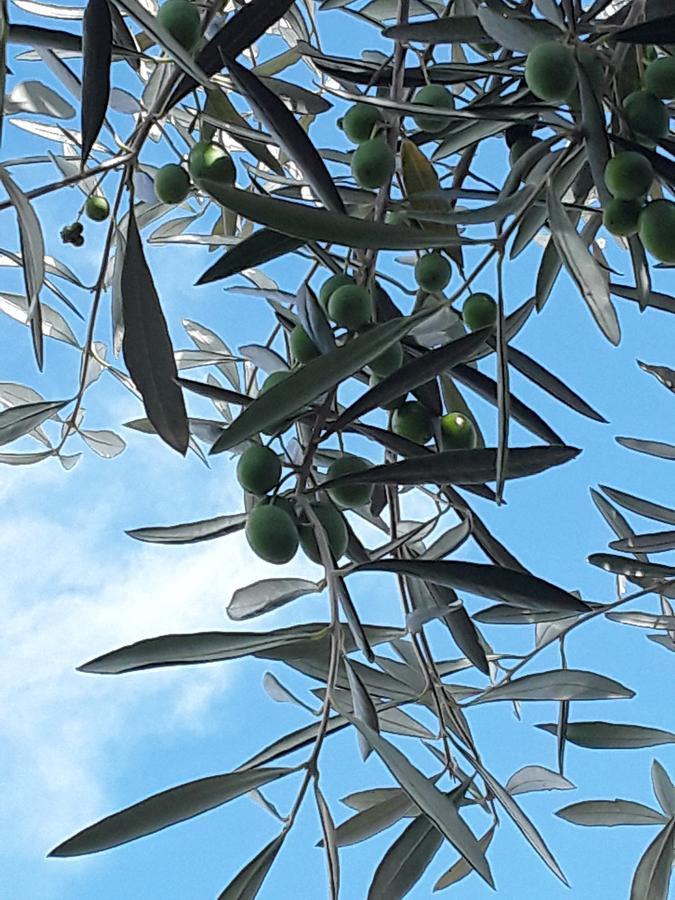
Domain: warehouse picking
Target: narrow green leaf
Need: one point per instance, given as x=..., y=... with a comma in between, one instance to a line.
x=147, y=346
x=585, y=271
x=451, y=30
x=329, y=842
x=406, y=860
x=372, y=820
x=652, y=876
x=610, y=812
x=166, y=808
x=280, y=121
x=190, y=532
x=642, y=507
x=550, y=383
x=655, y=542
x=612, y=736
x=4, y=35
x=310, y=223
x=461, y=869
x=536, y=778
x=631, y=568
x=654, y=31
x=307, y=383
x=97, y=36
x=33, y=255
x=411, y=375
x=461, y=466
x=17, y=421
x=238, y=33
x=509, y=585
x=650, y=448
x=363, y=706
x=268, y=594
x=433, y=803
x=557, y=684
x=262, y=246
x=249, y=880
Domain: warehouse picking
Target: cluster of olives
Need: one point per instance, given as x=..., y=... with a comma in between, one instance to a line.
x=276, y=526
x=72, y=234
x=629, y=176
x=205, y=161
x=373, y=162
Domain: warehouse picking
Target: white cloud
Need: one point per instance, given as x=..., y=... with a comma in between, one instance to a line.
x=68, y=593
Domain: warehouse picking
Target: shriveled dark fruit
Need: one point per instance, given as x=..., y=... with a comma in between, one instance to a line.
x=373, y=163
x=330, y=285
x=334, y=525
x=351, y=307
x=457, y=432
x=660, y=77
x=97, y=208
x=551, y=72
x=211, y=161
x=391, y=404
x=349, y=496
x=303, y=347
x=628, y=175
x=181, y=20
x=172, y=183
x=432, y=272
x=258, y=470
x=657, y=230
x=412, y=421
x=646, y=115
x=433, y=95
x=388, y=361
x=72, y=234
x=359, y=121
x=479, y=311
x=620, y=217
x=515, y=133
x=272, y=534
x=520, y=147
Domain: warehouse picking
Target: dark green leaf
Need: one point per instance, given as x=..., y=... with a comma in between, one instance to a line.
x=310, y=223
x=382, y=814
x=412, y=374
x=642, y=507
x=307, y=383
x=451, y=30
x=215, y=392
x=281, y=122
x=503, y=614
x=487, y=388
x=550, y=383
x=96, y=59
x=166, y=808
x=237, y=34
x=461, y=466
x=656, y=542
x=461, y=868
x=190, y=532
x=653, y=31
x=249, y=880
x=651, y=448
x=261, y=247
x=631, y=568
x=332, y=855
x=558, y=684
x=510, y=586
x=147, y=346
x=612, y=736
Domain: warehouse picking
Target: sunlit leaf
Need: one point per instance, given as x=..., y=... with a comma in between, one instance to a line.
x=612, y=736
x=558, y=684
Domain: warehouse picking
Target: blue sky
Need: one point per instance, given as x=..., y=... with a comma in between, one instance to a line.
x=77, y=747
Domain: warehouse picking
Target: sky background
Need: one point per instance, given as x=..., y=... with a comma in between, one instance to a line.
x=76, y=747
